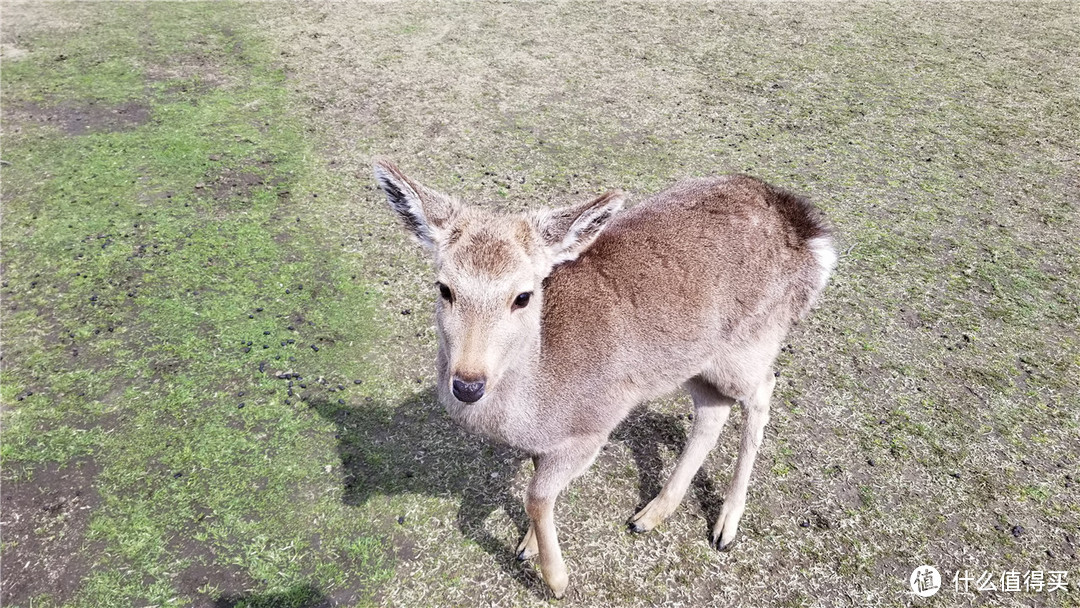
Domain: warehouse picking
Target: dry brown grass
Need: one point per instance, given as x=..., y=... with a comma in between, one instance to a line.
x=930, y=404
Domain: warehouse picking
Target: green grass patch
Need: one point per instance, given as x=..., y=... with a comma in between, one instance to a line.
x=160, y=270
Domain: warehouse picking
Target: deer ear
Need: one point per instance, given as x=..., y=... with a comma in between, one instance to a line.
x=425, y=212
x=569, y=231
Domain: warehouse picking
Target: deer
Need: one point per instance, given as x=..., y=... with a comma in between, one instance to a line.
x=553, y=325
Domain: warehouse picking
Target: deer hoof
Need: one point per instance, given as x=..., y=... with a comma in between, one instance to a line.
x=651, y=515
x=556, y=578
x=726, y=546
x=558, y=587
x=528, y=548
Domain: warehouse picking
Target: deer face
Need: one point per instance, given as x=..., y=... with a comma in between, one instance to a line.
x=489, y=274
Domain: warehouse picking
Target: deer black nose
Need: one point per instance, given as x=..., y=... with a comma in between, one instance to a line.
x=468, y=392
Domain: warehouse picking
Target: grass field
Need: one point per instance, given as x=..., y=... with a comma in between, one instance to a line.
x=217, y=363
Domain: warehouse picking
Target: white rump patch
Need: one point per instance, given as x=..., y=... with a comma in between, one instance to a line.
x=825, y=254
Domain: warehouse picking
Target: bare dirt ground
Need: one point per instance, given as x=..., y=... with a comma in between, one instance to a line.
x=45, y=521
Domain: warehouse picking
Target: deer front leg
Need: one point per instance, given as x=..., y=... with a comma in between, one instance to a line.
x=527, y=549
x=554, y=471
x=756, y=416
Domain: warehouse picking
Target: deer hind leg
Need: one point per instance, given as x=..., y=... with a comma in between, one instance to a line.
x=711, y=409
x=554, y=471
x=755, y=417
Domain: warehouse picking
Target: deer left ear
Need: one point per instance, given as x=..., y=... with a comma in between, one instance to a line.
x=425, y=212
x=568, y=232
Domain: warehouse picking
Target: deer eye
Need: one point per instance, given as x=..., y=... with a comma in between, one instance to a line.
x=522, y=300
x=445, y=292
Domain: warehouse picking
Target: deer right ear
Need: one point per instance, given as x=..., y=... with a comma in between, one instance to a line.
x=425, y=213
x=569, y=231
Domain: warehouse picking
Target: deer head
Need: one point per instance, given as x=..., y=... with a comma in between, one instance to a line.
x=489, y=271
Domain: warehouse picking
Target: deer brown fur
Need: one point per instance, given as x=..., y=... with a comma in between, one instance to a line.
x=553, y=325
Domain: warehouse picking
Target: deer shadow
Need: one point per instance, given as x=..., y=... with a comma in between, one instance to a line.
x=414, y=447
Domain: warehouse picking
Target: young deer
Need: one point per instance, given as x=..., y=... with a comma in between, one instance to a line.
x=553, y=325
